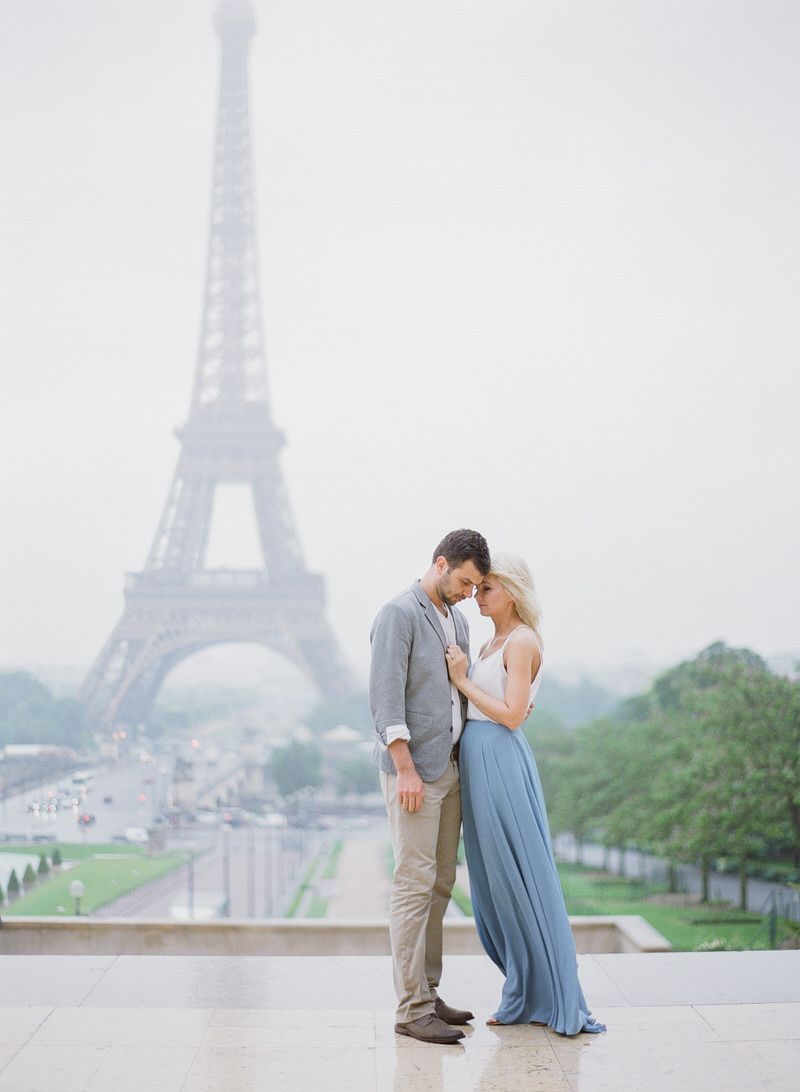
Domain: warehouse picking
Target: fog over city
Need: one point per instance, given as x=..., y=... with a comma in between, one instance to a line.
x=526, y=267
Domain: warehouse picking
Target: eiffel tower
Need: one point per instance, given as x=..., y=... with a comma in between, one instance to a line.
x=176, y=606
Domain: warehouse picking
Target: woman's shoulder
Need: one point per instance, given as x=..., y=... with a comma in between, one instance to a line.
x=523, y=647
x=524, y=637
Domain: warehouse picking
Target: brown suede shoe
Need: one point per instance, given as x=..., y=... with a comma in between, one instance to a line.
x=451, y=1016
x=429, y=1029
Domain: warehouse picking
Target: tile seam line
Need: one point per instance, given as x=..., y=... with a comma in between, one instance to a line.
x=197, y=1049
x=607, y=976
x=50, y=1013
x=696, y=1008
x=375, y=1041
x=22, y=1046
x=94, y=985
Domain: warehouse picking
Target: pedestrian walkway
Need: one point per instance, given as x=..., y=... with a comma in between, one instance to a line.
x=361, y=889
x=687, y=1022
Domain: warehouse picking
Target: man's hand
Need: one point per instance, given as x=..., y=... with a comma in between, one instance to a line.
x=410, y=789
x=410, y=786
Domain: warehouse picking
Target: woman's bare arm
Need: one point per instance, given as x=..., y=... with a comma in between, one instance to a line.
x=522, y=658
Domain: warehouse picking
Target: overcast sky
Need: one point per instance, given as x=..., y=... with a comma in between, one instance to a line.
x=528, y=267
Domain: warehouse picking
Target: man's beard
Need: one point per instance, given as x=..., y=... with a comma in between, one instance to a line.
x=449, y=599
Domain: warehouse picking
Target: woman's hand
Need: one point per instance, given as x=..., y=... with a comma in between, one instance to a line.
x=456, y=664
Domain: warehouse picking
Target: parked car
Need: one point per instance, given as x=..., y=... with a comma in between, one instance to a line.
x=86, y=819
x=136, y=835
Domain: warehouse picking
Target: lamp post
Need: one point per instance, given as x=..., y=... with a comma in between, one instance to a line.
x=77, y=890
x=226, y=870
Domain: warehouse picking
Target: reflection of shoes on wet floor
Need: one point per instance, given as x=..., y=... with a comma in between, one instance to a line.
x=430, y=1029
x=450, y=1015
x=493, y=1023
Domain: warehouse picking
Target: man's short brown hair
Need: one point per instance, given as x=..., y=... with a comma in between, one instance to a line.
x=465, y=545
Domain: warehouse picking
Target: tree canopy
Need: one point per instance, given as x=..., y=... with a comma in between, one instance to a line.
x=705, y=764
x=29, y=713
x=296, y=766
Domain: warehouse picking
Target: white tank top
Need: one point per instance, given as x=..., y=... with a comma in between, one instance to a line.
x=489, y=672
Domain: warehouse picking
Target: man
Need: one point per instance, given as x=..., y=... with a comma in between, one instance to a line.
x=418, y=715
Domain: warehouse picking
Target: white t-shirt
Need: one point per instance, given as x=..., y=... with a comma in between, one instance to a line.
x=449, y=629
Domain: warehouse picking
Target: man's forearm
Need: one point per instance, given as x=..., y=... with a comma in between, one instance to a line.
x=401, y=756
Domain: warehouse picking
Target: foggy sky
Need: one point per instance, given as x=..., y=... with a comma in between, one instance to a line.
x=526, y=267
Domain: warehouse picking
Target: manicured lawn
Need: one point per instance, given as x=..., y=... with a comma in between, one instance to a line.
x=106, y=878
x=685, y=927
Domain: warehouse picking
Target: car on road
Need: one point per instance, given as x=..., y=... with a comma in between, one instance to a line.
x=234, y=817
x=136, y=835
x=86, y=819
x=272, y=819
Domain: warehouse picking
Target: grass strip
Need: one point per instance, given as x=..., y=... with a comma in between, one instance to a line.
x=332, y=864
x=317, y=908
x=462, y=900
x=105, y=880
x=302, y=887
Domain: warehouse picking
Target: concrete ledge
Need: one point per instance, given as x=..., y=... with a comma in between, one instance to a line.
x=282, y=936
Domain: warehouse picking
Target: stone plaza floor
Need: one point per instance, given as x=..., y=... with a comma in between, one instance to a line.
x=677, y=1022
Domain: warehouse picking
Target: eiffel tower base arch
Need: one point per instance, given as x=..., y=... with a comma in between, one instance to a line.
x=163, y=625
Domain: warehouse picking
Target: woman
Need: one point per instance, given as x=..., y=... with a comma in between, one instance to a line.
x=516, y=893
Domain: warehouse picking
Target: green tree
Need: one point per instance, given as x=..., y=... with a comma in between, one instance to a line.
x=44, y=867
x=356, y=775
x=754, y=718
x=296, y=766
x=30, y=714
x=678, y=688
x=13, y=885
x=706, y=797
x=705, y=764
x=574, y=704
x=351, y=709
x=553, y=746
x=29, y=876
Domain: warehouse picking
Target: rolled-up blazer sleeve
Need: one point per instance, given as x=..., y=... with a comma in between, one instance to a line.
x=391, y=639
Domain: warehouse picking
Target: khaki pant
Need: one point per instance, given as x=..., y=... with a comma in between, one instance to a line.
x=425, y=844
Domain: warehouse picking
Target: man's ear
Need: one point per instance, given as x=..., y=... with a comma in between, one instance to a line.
x=441, y=565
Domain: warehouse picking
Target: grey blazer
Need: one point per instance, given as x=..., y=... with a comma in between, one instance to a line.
x=408, y=681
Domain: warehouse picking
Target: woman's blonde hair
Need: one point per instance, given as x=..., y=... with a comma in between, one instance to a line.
x=513, y=574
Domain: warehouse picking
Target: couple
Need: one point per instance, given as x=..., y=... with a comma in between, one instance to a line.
x=437, y=718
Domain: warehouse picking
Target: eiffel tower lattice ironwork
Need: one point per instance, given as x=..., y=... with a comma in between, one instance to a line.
x=176, y=606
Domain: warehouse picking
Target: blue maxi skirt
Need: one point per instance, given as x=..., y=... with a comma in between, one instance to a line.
x=516, y=893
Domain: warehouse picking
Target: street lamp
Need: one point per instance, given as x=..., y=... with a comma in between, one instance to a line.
x=77, y=889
